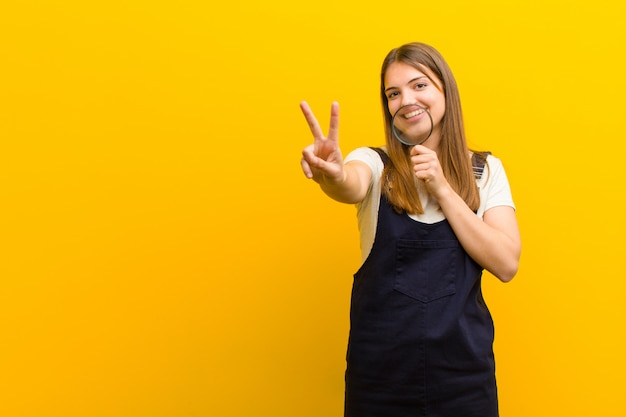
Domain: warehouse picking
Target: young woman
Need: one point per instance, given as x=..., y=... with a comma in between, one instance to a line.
x=431, y=216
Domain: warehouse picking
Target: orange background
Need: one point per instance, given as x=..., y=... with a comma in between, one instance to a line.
x=162, y=254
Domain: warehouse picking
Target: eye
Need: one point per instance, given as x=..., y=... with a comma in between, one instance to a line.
x=420, y=86
x=392, y=95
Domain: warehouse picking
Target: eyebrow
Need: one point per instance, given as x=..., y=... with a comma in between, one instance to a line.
x=410, y=81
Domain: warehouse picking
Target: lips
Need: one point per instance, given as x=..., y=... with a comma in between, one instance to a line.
x=409, y=111
x=413, y=113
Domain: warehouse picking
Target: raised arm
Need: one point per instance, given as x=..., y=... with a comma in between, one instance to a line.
x=322, y=161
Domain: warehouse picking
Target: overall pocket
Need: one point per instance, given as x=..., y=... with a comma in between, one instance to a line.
x=425, y=269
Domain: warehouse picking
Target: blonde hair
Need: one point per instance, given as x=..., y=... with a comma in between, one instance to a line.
x=398, y=183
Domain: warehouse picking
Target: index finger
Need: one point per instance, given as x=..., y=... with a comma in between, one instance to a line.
x=311, y=120
x=419, y=150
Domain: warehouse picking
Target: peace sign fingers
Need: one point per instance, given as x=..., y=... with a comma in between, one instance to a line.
x=323, y=158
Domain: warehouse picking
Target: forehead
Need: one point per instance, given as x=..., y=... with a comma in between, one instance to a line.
x=400, y=73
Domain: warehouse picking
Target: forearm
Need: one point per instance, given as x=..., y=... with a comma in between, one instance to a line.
x=352, y=187
x=493, y=242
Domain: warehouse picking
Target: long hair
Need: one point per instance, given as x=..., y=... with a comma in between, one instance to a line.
x=398, y=183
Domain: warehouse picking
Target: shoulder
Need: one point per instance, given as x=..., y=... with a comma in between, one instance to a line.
x=486, y=165
x=495, y=168
x=494, y=186
x=369, y=157
x=493, y=161
x=364, y=153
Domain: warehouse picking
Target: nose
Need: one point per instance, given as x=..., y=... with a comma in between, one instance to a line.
x=408, y=97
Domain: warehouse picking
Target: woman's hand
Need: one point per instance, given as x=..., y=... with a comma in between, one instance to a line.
x=322, y=160
x=428, y=169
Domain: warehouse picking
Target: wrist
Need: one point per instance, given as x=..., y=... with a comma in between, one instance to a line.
x=444, y=193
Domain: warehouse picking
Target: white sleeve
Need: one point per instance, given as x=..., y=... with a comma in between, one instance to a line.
x=494, y=186
x=369, y=157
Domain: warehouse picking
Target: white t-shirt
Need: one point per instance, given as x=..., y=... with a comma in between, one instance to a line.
x=493, y=188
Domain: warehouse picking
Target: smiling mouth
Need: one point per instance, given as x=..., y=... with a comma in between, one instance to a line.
x=413, y=113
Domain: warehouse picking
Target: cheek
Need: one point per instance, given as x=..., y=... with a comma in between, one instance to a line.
x=438, y=112
x=440, y=105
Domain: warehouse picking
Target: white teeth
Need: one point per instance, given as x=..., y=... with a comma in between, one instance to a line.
x=413, y=113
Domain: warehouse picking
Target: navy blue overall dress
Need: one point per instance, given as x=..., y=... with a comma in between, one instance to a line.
x=421, y=335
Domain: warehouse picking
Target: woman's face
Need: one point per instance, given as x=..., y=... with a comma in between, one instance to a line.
x=405, y=85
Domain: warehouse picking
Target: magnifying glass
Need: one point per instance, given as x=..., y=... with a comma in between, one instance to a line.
x=412, y=124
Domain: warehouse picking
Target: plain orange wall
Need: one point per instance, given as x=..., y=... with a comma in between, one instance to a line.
x=162, y=254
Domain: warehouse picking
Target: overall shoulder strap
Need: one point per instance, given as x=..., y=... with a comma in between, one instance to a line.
x=479, y=159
